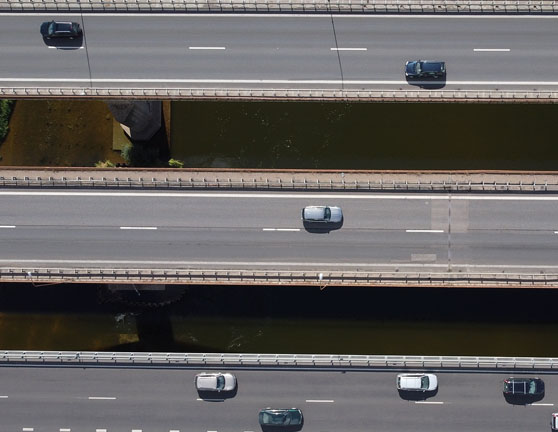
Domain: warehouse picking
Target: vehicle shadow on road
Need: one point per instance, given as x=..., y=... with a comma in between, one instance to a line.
x=222, y=396
x=522, y=399
x=321, y=228
x=283, y=428
x=416, y=395
x=428, y=83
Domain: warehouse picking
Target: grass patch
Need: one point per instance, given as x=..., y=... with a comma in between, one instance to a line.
x=6, y=107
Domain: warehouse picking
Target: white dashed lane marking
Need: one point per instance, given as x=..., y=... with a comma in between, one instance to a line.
x=320, y=400
x=491, y=50
x=281, y=229
x=101, y=398
x=423, y=231
x=349, y=49
x=137, y=228
x=27, y=429
x=542, y=404
x=429, y=402
x=206, y=48
x=7, y=226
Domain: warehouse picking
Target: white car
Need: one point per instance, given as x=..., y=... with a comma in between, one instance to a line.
x=417, y=382
x=216, y=382
x=554, y=422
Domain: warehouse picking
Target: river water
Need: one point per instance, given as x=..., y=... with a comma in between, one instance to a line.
x=282, y=319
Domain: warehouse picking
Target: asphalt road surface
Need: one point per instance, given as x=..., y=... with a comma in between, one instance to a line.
x=148, y=400
x=264, y=231
x=280, y=51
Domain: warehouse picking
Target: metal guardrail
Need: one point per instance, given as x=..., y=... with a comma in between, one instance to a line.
x=208, y=360
x=285, y=6
x=274, y=277
x=468, y=96
x=278, y=183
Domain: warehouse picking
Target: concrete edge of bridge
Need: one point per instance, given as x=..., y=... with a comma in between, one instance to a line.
x=277, y=361
x=456, y=7
x=228, y=179
x=310, y=277
x=258, y=94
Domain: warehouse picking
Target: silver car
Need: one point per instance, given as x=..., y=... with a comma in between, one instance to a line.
x=417, y=382
x=216, y=382
x=322, y=214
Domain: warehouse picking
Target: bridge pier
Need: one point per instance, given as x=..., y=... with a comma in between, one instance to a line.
x=139, y=119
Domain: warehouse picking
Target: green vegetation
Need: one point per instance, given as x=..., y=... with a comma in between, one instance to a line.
x=141, y=154
x=6, y=107
x=104, y=164
x=175, y=163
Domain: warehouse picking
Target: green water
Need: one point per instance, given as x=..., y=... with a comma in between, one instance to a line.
x=365, y=135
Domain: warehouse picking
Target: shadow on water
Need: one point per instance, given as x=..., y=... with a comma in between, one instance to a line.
x=281, y=319
x=365, y=135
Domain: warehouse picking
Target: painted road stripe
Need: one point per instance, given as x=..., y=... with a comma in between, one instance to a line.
x=3, y=397
x=137, y=228
x=542, y=404
x=263, y=81
x=491, y=49
x=349, y=49
x=429, y=402
x=186, y=15
x=65, y=430
x=174, y=430
x=339, y=196
x=211, y=400
x=7, y=226
x=100, y=430
x=206, y=48
x=320, y=400
x=101, y=398
x=27, y=429
x=423, y=231
x=281, y=229
x=137, y=430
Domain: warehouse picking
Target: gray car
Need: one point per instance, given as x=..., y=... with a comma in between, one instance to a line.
x=322, y=214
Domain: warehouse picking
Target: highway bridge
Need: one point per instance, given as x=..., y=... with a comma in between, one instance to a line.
x=405, y=233
x=63, y=392
x=163, y=55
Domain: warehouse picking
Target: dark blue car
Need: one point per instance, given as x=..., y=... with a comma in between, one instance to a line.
x=425, y=69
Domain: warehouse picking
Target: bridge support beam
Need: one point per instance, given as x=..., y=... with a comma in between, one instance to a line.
x=139, y=119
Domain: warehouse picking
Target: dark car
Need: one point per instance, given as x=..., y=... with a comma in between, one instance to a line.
x=284, y=417
x=62, y=29
x=523, y=387
x=425, y=69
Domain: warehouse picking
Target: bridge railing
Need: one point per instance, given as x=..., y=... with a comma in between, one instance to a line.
x=214, y=360
x=308, y=6
x=287, y=182
x=105, y=93
x=277, y=277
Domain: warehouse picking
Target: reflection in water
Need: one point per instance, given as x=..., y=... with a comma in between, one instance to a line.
x=282, y=319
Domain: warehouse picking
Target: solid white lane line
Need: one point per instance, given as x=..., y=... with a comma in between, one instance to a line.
x=339, y=196
x=542, y=404
x=320, y=401
x=206, y=48
x=349, y=49
x=429, y=402
x=7, y=226
x=281, y=229
x=263, y=81
x=424, y=231
x=137, y=228
x=491, y=49
x=101, y=398
x=442, y=267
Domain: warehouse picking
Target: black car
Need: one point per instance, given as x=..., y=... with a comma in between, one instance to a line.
x=523, y=387
x=280, y=418
x=62, y=29
x=425, y=69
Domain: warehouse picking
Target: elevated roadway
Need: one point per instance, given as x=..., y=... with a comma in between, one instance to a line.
x=285, y=52
x=124, y=399
x=463, y=233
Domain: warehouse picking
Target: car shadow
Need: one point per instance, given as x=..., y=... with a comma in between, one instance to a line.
x=282, y=428
x=427, y=83
x=416, y=395
x=61, y=43
x=222, y=396
x=320, y=227
x=522, y=399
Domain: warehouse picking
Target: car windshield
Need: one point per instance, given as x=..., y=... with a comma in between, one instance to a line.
x=424, y=382
x=418, y=68
x=220, y=382
x=51, y=27
x=327, y=213
x=532, y=387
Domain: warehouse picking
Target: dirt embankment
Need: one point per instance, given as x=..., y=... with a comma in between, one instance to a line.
x=59, y=133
